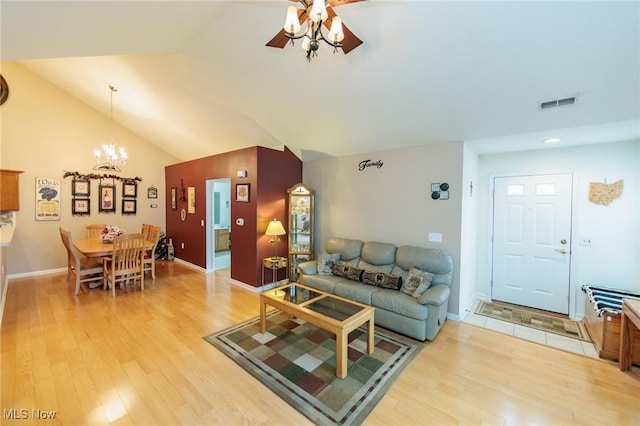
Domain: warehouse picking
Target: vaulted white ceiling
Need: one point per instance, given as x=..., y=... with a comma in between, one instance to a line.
x=196, y=79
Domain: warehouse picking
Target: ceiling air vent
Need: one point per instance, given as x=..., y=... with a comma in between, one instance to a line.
x=557, y=103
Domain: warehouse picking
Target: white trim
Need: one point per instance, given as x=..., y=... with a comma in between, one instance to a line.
x=37, y=273
x=4, y=298
x=257, y=289
x=190, y=265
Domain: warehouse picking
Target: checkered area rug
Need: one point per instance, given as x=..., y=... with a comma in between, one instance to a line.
x=297, y=361
x=539, y=321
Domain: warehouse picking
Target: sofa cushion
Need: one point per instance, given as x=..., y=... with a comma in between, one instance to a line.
x=348, y=249
x=417, y=282
x=355, y=291
x=385, y=269
x=347, y=271
x=326, y=283
x=382, y=280
x=439, y=262
x=399, y=303
x=375, y=253
x=326, y=262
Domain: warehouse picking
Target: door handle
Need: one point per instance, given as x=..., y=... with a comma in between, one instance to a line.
x=561, y=251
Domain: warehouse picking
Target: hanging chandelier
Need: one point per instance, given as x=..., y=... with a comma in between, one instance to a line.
x=113, y=159
x=316, y=13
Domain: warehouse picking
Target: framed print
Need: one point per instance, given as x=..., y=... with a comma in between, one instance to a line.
x=81, y=187
x=174, y=198
x=47, y=199
x=129, y=189
x=81, y=206
x=152, y=192
x=128, y=206
x=242, y=192
x=191, y=199
x=107, y=199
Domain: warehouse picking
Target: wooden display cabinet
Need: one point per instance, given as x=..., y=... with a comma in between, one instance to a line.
x=300, y=227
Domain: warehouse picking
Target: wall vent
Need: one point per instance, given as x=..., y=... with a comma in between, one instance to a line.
x=557, y=103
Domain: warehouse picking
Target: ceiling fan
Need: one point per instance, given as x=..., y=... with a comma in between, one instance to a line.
x=316, y=14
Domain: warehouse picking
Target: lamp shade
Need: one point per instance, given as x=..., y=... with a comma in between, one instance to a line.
x=292, y=23
x=275, y=228
x=318, y=11
x=336, y=35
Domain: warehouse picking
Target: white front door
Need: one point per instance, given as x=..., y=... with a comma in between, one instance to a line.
x=532, y=241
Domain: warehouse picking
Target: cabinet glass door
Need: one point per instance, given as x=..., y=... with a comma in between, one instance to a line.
x=300, y=227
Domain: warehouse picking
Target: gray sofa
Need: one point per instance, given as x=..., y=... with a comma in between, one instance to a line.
x=417, y=317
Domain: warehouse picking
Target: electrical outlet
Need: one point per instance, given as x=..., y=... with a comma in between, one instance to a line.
x=435, y=237
x=181, y=245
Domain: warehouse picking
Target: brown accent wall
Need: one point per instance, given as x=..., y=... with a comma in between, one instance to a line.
x=269, y=173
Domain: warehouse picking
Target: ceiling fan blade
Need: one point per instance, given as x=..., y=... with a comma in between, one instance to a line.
x=280, y=40
x=351, y=41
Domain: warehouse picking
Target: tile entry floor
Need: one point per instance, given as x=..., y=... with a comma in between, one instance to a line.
x=545, y=338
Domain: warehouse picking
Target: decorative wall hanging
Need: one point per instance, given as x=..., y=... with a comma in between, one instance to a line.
x=604, y=193
x=107, y=199
x=242, y=192
x=129, y=190
x=191, y=197
x=440, y=191
x=368, y=163
x=152, y=192
x=128, y=206
x=77, y=175
x=174, y=198
x=80, y=206
x=47, y=199
x=81, y=187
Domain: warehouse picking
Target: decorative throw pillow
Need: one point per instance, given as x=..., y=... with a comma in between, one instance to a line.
x=380, y=279
x=418, y=281
x=347, y=271
x=326, y=262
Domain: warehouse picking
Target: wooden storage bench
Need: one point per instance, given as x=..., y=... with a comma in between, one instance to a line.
x=602, y=321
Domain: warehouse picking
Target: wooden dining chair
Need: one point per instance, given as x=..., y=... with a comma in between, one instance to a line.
x=95, y=229
x=84, y=269
x=125, y=263
x=150, y=233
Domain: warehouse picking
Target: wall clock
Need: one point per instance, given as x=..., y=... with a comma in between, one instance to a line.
x=4, y=90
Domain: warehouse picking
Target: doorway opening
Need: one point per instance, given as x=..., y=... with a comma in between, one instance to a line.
x=218, y=227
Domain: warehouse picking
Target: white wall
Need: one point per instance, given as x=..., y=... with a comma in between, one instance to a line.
x=613, y=259
x=392, y=203
x=46, y=132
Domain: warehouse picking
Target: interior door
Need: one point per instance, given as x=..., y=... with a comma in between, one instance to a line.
x=532, y=240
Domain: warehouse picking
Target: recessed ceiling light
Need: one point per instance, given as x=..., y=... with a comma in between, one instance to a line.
x=552, y=140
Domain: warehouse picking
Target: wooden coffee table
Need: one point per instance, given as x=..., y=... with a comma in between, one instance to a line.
x=332, y=313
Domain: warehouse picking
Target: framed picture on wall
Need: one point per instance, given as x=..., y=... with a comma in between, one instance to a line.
x=128, y=206
x=242, y=192
x=152, y=192
x=129, y=189
x=81, y=187
x=81, y=206
x=174, y=198
x=107, y=199
x=191, y=199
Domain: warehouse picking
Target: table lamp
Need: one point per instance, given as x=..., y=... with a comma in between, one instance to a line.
x=275, y=228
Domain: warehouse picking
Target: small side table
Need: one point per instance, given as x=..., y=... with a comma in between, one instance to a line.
x=274, y=263
x=630, y=319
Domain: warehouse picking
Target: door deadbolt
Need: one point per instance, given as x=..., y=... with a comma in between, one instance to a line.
x=563, y=241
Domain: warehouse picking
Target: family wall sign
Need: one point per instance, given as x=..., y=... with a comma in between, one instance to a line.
x=363, y=165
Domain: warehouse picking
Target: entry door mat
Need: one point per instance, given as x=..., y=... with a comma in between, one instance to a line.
x=297, y=361
x=533, y=319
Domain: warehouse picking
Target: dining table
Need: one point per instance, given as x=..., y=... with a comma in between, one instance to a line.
x=95, y=247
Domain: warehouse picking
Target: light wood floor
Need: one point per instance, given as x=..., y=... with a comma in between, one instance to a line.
x=139, y=358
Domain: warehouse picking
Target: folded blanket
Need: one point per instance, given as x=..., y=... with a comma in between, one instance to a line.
x=606, y=299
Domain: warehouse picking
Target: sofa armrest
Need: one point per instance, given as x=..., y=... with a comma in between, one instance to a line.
x=308, y=268
x=435, y=295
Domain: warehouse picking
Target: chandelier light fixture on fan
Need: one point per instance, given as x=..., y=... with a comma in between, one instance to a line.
x=316, y=14
x=112, y=161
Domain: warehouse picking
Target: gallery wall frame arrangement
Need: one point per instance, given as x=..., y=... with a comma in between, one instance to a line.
x=129, y=189
x=81, y=206
x=129, y=206
x=107, y=199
